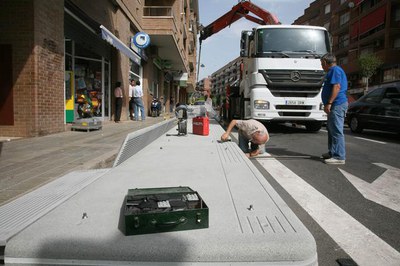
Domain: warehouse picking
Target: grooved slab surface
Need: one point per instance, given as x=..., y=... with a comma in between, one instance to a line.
x=25, y=210
x=249, y=224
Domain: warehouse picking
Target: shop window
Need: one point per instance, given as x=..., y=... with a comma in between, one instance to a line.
x=68, y=46
x=134, y=68
x=83, y=51
x=88, y=78
x=68, y=62
x=6, y=85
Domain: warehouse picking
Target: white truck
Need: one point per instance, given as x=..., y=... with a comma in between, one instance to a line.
x=282, y=74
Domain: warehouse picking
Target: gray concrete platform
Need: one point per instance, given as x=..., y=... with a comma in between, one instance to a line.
x=267, y=234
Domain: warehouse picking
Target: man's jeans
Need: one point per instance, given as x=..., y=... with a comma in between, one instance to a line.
x=336, y=143
x=139, y=104
x=244, y=144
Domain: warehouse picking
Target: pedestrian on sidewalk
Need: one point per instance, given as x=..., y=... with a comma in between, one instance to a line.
x=335, y=106
x=250, y=132
x=118, y=101
x=138, y=100
x=131, y=101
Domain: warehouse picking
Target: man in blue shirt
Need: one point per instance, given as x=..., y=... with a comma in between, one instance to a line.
x=335, y=106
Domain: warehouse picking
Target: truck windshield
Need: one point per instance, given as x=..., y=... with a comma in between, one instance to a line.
x=292, y=42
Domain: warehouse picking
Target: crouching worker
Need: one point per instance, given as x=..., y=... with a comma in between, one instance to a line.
x=250, y=131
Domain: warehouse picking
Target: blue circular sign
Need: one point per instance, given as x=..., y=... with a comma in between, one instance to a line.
x=141, y=40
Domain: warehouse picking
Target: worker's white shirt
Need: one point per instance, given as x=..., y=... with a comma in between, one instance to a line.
x=138, y=92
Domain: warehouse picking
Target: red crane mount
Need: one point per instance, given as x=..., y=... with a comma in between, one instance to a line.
x=242, y=9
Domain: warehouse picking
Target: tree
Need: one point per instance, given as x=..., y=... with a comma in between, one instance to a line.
x=369, y=65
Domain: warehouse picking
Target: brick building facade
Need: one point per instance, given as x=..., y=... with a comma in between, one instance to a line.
x=51, y=51
x=360, y=27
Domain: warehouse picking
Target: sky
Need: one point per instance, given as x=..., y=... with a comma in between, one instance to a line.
x=223, y=47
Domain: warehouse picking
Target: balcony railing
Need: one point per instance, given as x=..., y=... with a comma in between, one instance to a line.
x=157, y=11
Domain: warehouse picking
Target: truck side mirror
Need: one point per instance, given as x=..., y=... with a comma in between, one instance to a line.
x=244, y=43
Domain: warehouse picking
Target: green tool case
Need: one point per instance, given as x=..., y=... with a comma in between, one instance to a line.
x=155, y=210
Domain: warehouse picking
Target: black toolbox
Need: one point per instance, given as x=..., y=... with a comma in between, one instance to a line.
x=155, y=210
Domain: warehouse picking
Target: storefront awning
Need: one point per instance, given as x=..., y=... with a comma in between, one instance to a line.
x=181, y=79
x=114, y=41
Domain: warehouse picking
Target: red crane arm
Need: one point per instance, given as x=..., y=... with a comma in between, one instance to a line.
x=238, y=11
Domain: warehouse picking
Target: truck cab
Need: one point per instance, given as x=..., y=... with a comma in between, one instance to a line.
x=282, y=74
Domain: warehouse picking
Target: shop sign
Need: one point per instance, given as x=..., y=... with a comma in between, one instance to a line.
x=141, y=40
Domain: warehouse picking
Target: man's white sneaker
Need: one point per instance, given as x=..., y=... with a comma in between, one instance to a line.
x=334, y=161
x=326, y=155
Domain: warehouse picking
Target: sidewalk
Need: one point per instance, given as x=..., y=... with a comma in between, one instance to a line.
x=27, y=163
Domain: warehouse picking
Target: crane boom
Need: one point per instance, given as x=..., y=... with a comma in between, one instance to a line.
x=242, y=9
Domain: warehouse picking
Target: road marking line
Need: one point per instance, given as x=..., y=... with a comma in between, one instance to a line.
x=376, y=141
x=384, y=190
x=359, y=242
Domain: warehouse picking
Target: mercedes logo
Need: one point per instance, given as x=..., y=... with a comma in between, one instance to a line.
x=295, y=76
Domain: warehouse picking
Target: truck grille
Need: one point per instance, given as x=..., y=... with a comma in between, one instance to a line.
x=294, y=83
x=300, y=114
x=293, y=107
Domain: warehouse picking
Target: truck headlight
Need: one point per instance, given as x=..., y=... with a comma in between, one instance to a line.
x=261, y=104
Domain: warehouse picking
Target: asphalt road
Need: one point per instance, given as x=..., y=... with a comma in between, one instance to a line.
x=353, y=210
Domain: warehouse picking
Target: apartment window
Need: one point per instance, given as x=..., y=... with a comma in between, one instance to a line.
x=343, y=41
x=396, y=43
x=343, y=61
x=368, y=50
x=366, y=5
x=343, y=19
x=397, y=14
x=391, y=74
x=157, y=8
x=327, y=8
x=191, y=28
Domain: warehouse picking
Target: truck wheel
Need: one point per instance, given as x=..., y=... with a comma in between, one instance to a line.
x=313, y=126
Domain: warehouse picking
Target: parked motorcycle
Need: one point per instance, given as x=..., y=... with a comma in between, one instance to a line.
x=155, y=107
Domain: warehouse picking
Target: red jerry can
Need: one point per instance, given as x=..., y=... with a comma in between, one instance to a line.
x=201, y=126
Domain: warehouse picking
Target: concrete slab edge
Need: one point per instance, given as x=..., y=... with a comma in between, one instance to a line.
x=14, y=216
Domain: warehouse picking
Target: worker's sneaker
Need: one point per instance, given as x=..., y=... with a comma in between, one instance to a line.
x=334, y=161
x=326, y=155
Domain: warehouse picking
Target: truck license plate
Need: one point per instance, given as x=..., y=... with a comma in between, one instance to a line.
x=294, y=102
